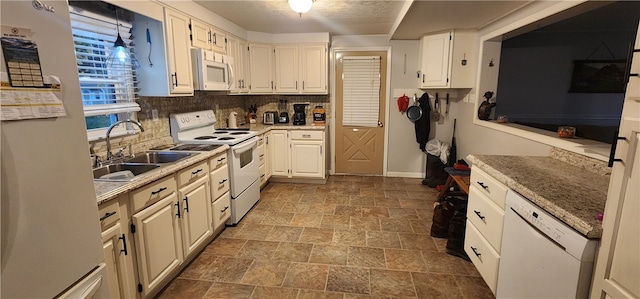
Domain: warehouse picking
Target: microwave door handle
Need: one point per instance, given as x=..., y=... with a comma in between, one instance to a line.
x=231, y=75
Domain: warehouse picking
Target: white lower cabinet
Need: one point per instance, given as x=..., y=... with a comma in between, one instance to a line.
x=196, y=215
x=263, y=155
x=220, y=198
x=221, y=210
x=298, y=154
x=117, y=250
x=485, y=221
x=158, y=242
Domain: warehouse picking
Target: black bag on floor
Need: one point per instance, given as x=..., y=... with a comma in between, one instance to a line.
x=442, y=214
x=435, y=174
x=457, y=226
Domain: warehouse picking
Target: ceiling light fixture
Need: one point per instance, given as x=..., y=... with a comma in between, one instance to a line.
x=300, y=6
x=120, y=55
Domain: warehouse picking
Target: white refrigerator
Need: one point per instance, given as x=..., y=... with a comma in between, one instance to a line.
x=50, y=227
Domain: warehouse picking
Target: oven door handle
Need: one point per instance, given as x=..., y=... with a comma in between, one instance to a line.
x=244, y=146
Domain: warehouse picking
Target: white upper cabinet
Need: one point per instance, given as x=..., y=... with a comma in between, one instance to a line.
x=448, y=60
x=237, y=48
x=177, y=27
x=301, y=68
x=165, y=61
x=261, y=64
x=286, y=70
x=313, y=68
x=207, y=37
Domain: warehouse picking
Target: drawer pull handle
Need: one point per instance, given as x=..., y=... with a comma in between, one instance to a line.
x=475, y=251
x=222, y=182
x=485, y=187
x=124, y=245
x=186, y=203
x=479, y=215
x=159, y=190
x=223, y=210
x=107, y=215
x=262, y=175
x=306, y=135
x=222, y=159
x=196, y=172
x=177, y=204
x=261, y=155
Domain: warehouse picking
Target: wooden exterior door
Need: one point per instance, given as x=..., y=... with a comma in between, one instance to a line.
x=360, y=150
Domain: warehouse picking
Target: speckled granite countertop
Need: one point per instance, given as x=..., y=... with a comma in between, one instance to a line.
x=107, y=190
x=261, y=128
x=573, y=193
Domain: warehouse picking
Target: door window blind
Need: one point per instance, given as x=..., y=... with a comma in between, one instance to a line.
x=107, y=88
x=361, y=91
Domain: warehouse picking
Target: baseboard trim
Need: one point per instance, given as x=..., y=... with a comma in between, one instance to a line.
x=405, y=174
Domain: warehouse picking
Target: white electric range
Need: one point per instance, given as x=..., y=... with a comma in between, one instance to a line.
x=199, y=128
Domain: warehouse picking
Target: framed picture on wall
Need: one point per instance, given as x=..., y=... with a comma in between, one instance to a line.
x=598, y=76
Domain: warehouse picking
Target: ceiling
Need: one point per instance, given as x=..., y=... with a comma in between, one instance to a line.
x=401, y=19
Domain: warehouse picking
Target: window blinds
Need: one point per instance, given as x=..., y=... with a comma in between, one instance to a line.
x=361, y=91
x=106, y=88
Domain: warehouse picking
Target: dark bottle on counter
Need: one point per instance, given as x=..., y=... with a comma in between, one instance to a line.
x=319, y=116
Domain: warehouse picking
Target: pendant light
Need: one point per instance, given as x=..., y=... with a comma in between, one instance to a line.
x=300, y=6
x=119, y=55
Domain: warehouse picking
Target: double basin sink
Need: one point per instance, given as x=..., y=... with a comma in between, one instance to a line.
x=129, y=168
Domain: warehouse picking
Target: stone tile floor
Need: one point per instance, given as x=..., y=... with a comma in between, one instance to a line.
x=355, y=237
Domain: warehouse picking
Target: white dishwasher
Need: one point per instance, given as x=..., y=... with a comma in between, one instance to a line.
x=541, y=257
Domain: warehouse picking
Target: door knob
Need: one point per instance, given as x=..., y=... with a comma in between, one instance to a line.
x=380, y=124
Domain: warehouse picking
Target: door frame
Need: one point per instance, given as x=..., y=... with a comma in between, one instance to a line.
x=332, y=123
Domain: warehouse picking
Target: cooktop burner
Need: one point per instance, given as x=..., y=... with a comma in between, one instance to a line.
x=238, y=133
x=226, y=138
x=220, y=132
x=205, y=137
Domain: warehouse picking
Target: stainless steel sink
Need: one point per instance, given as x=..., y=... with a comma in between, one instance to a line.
x=158, y=157
x=122, y=171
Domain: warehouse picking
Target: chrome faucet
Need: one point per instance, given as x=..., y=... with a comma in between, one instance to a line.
x=108, y=137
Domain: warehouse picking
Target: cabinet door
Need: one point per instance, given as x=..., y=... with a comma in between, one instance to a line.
x=196, y=215
x=313, y=68
x=280, y=153
x=218, y=40
x=117, y=255
x=179, y=56
x=233, y=50
x=261, y=59
x=200, y=35
x=286, y=69
x=307, y=159
x=435, y=50
x=267, y=155
x=158, y=241
x=246, y=66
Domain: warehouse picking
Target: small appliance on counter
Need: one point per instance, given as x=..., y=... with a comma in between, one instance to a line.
x=299, y=114
x=284, y=112
x=319, y=116
x=269, y=117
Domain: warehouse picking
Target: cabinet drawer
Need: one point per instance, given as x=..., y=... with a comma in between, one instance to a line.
x=261, y=154
x=109, y=213
x=192, y=173
x=260, y=141
x=487, y=217
x=307, y=135
x=218, y=161
x=219, y=182
x=482, y=255
x=263, y=174
x=489, y=186
x=153, y=192
x=221, y=210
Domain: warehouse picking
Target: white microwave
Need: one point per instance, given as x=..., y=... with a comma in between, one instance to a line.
x=211, y=71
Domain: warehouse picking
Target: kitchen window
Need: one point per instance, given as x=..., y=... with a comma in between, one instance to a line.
x=361, y=91
x=108, y=88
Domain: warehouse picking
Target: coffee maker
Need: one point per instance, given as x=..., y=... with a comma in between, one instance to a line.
x=299, y=114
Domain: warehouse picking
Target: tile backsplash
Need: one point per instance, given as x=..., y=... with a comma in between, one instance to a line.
x=157, y=131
